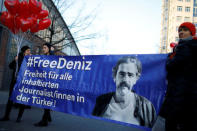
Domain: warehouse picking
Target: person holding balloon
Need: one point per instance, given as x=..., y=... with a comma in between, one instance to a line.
x=25, y=50
x=23, y=16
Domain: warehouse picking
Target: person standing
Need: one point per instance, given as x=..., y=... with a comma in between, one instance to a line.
x=25, y=50
x=180, y=105
x=46, y=116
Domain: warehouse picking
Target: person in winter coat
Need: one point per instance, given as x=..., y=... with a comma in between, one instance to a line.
x=180, y=105
x=25, y=50
x=46, y=116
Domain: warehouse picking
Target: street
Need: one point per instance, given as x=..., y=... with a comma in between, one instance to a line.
x=60, y=121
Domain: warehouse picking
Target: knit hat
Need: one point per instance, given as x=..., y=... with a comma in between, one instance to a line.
x=190, y=26
x=24, y=48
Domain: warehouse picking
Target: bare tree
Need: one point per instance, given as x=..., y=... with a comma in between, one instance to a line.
x=58, y=34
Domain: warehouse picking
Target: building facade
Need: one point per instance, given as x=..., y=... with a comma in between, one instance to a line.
x=175, y=12
x=8, y=46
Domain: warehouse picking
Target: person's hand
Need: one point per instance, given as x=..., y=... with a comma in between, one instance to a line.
x=194, y=37
x=175, y=48
x=16, y=58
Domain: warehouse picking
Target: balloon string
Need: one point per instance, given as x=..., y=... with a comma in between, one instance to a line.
x=18, y=39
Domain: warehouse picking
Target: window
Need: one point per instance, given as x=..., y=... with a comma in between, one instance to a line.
x=179, y=18
x=187, y=19
x=179, y=8
x=187, y=0
x=180, y=0
x=195, y=12
x=177, y=29
x=195, y=24
x=187, y=9
x=177, y=39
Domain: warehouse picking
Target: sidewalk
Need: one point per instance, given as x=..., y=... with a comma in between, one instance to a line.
x=60, y=121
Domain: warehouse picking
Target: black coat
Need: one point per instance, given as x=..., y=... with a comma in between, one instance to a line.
x=181, y=96
x=12, y=66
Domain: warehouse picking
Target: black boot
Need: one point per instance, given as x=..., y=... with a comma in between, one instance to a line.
x=5, y=119
x=7, y=111
x=41, y=123
x=18, y=120
x=49, y=118
x=20, y=113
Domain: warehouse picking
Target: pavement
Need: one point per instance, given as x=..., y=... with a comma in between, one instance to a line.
x=60, y=121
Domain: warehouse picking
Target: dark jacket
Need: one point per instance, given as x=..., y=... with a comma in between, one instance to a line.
x=12, y=66
x=144, y=110
x=181, y=96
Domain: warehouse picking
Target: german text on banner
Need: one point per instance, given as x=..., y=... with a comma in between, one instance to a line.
x=125, y=89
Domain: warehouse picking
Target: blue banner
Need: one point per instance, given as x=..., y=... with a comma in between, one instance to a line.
x=125, y=89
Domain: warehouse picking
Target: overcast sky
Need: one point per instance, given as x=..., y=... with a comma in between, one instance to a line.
x=126, y=27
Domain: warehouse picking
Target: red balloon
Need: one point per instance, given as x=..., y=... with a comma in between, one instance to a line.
x=39, y=6
x=17, y=22
x=34, y=24
x=172, y=45
x=12, y=6
x=43, y=14
x=23, y=16
x=44, y=23
x=9, y=20
x=34, y=28
x=3, y=17
x=24, y=9
x=35, y=6
x=32, y=20
x=10, y=23
x=4, y=13
x=25, y=24
x=22, y=24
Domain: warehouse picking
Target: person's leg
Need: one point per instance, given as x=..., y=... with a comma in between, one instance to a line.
x=44, y=121
x=180, y=125
x=9, y=103
x=190, y=124
x=47, y=115
x=170, y=125
x=20, y=113
x=7, y=111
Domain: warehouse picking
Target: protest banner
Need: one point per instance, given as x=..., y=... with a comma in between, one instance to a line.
x=125, y=89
